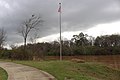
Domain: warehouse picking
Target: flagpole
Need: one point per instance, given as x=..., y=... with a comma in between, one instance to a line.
x=60, y=31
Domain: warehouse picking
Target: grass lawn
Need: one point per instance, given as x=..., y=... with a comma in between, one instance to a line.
x=3, y=74
x=75, y=71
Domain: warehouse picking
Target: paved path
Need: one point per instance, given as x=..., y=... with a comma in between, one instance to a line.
x=21, y=72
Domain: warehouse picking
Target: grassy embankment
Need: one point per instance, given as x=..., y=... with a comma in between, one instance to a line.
x=75, y=71
x=3, y=74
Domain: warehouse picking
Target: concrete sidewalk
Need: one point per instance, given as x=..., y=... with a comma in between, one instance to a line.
x=21, y=72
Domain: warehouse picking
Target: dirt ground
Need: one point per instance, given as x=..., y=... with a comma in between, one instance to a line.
x=109, y=60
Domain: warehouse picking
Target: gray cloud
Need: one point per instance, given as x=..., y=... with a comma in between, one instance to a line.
x=76, y=15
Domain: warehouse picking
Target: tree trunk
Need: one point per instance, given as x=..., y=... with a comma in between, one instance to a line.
x=24, y=44
x=24, y=49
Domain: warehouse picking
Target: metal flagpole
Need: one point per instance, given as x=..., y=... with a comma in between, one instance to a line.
x=60, y=31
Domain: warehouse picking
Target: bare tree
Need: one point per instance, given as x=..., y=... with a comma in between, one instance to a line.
x=34, y=37
x=28, y=26
x=2, y=37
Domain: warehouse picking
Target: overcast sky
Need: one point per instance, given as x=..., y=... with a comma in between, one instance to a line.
x=77, y=15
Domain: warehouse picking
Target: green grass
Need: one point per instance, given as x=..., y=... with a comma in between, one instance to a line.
x=3, y=74
x=75, y=71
